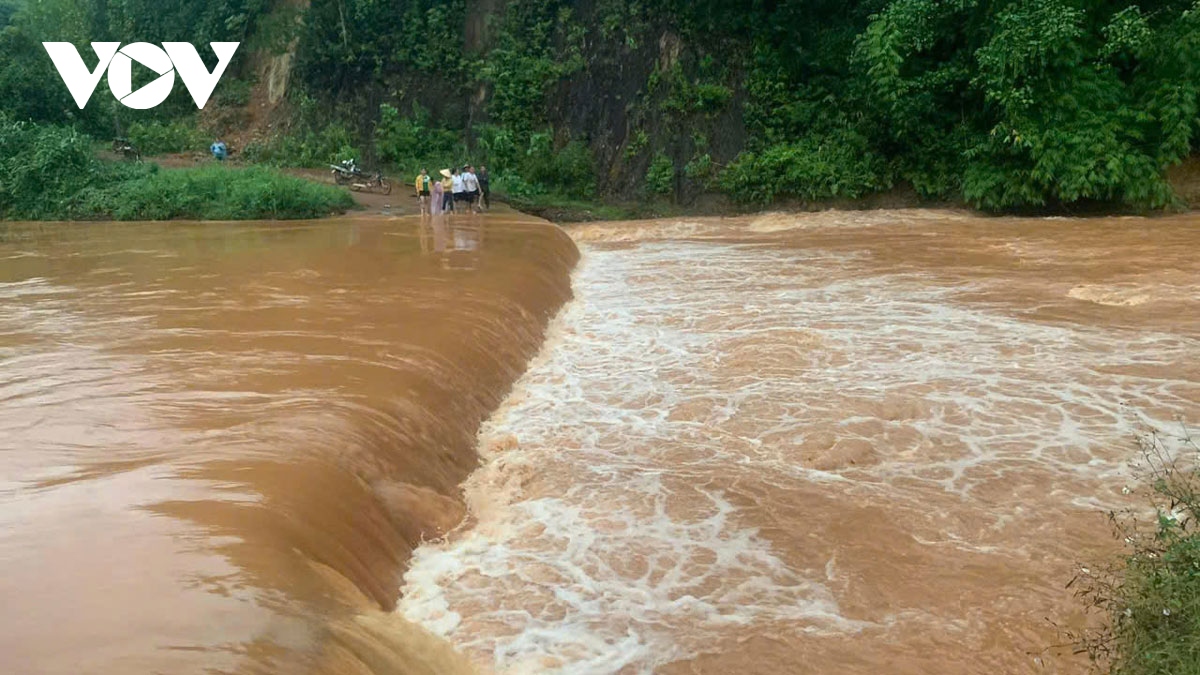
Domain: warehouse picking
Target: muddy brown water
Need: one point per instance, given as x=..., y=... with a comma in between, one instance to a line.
x=839, y=442
x=220, y=442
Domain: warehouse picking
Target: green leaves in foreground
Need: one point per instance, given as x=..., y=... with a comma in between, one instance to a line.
x=1152, y=602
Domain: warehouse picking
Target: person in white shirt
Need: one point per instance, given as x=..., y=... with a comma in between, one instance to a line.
x=471, y=187
x=460, y=195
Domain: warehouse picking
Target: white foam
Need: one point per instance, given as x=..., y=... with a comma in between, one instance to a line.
x=603, y=539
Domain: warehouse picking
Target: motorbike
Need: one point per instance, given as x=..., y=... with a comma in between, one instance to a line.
x=348, y=173
x=125, y=148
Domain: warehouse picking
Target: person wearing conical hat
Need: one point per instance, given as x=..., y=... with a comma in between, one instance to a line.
x=447, y=190
x=435, y=200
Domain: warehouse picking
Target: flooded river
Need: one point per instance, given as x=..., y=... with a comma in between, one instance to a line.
x=841, y=442
x=220, y=442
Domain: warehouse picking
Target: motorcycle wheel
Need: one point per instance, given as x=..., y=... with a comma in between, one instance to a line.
x=385, y=187
x=341, y=178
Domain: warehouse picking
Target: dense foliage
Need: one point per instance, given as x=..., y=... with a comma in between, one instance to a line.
x=1002, y=104
x=211, y=192
x=49, y=172
x=30, y=88
x=1038, y=100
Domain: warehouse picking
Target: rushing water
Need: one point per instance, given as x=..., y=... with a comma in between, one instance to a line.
x=220, y=442
x=812, y=444
x=828, y=443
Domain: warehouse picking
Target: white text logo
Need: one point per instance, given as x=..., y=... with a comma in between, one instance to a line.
x=171, y=58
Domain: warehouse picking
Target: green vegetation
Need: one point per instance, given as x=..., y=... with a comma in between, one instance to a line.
x=813, y=168
x=30, y=88
x=41, y=168
x=310, y=148
x=1152, y=601
x=1013, y=104
x=48, y=172
x=212, y=192
x=400, y=139
x=660, y=178
x=159, y=138
x=1058, y=102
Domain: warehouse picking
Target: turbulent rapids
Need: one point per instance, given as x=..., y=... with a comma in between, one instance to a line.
x=829, y=443
x=814, y=444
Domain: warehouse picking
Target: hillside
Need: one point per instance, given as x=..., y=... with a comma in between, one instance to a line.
x=1009, y=105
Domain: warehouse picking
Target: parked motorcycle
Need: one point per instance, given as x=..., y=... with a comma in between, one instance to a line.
x=348, y=173
x=125, y=148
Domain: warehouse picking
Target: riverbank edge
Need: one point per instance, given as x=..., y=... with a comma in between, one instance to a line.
x=1185, y=178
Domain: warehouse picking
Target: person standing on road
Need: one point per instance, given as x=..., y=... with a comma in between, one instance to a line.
x=424, y=191
x=460, y=190
x=485, y=188
x=447, y=191
x=471, y=187
x=437, y=198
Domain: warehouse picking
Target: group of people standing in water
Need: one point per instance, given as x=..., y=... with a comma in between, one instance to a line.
x=456, y=189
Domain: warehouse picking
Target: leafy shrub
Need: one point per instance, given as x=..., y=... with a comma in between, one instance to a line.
x=660, y=178
x=213, y=192
x=701, y=170
x=306, y=148
x=41, y=167
x=685, y=96
x=817, y=167
x=515, y=189
x=497, y=146
x=157, y=138
x=569, y=171
x=49, y=173
x=401, y=140
x=235, y=91
x=539, y=44
x=639, y=142
x=1152, y=601
x=710, y=98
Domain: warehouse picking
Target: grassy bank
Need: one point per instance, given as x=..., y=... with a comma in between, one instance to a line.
x=51, y=173
x=1151, y=601
x=210, y=192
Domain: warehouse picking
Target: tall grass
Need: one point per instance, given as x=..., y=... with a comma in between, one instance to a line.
x=213, y=192
x=158, y=137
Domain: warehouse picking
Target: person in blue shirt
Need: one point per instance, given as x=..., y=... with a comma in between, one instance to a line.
x=219, y=150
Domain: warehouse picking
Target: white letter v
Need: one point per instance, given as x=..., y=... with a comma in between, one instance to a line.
x=199, y=82
x=80, y=82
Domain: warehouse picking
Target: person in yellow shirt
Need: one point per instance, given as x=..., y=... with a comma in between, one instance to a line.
x=424, y=187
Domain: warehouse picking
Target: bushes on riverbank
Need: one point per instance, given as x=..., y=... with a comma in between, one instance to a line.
x=160, y=138
x=49, y=173
x=41, y=166
x=839, y=166
x=1152, y=602
x=212, y=192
